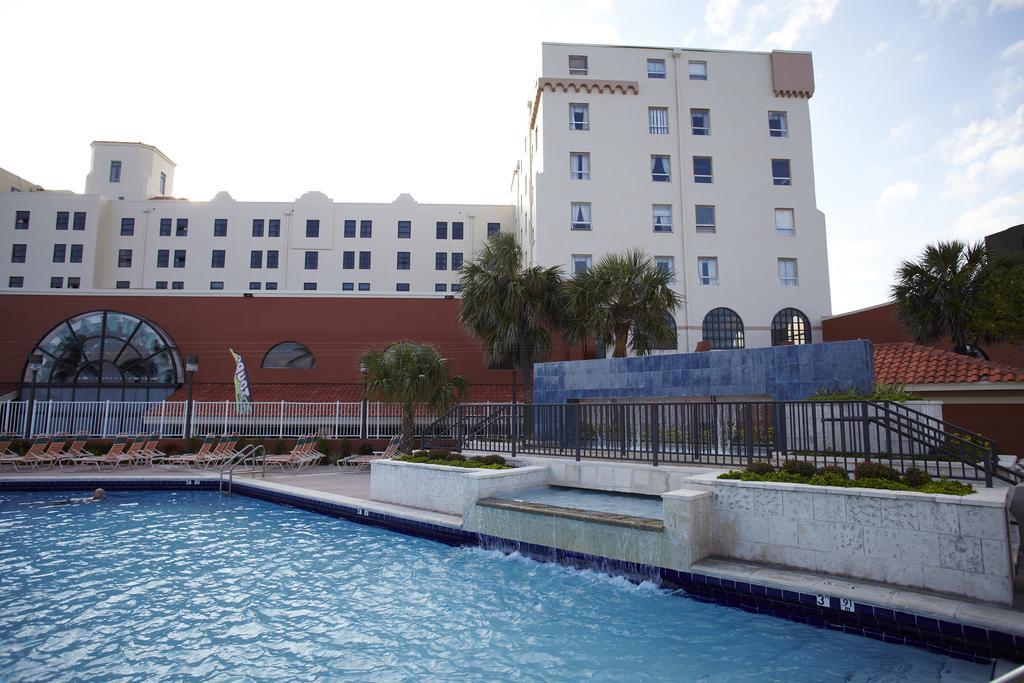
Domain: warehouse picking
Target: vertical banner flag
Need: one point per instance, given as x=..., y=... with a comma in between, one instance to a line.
x=243, y=397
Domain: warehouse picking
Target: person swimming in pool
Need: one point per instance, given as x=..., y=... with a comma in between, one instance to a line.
x=97, y=496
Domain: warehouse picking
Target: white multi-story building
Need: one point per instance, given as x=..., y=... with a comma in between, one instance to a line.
x=700, y=158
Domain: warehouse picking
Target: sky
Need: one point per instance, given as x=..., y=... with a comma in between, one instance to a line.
x=917, y=119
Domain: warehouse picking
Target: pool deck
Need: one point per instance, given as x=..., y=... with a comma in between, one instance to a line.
x=331, y=485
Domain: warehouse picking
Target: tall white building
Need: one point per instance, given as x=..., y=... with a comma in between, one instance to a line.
x=700, y=158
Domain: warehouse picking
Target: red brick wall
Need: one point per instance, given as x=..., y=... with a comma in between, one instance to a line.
x=880, y=325
x=336, y=330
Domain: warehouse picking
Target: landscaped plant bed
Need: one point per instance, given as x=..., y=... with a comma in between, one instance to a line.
x=451, y=459
x=867, y=475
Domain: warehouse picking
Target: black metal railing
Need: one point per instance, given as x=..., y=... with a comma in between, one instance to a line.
x=732, y=434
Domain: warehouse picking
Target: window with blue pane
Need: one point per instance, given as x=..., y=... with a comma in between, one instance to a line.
x=165, y=227
x=457, y=230
x=217, y=260
x=270, y=286
x=21, y=219
x=257, y=227
x=661, y=170
x=348, y=286
x=161, y=284
x=313, y=227
x=179, y=258
x=404, y=260
x=705, y=218
x=163, y=258
x=442, y=230
x=350, y=229
x=440, y=261
x=181, y=227
x=274, y=227
x=124, y=258
x=404, y=230
x=127, y=227
x=256, y=259
x=18, y=253
x=402, y=287
x=59, y=253
x=76, y=253
x=272, y=258
x=702, y=170
x=62, y=220
x=312, y=260
x=115, y=171
x=16, y=281
x=220, y=227
x=364, y=260
x=348, y=260
x=456, y=287
x=456, y=260
x=78, y=220
x=364, y=286
x=781, y=174
x=254, y=286
x=309, y=286
x=440, y=287
x=365, y=229
x=493, y=229
x=217, y=284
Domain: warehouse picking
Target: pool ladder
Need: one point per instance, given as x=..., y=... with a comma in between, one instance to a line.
x=251, y=459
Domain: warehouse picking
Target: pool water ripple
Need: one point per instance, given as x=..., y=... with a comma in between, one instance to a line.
x=196, y=586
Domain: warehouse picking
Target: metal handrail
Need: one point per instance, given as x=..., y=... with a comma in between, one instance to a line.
x=247, y=455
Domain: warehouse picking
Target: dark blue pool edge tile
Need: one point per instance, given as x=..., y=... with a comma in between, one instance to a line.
x=961, y=641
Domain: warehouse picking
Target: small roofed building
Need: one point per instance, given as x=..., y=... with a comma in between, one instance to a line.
x=979, y=395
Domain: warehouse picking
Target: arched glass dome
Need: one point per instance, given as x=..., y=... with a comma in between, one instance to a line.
x=289, y=356
x=106, y=355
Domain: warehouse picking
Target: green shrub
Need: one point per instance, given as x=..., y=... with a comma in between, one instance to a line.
x=346, y=448
x=916, y=478
x=471, y=464
x=799, y=467
x=760, y=468
x=834, y=478
x=950, y=488
x=324, y=446
x=366, y=448
x=830, y=470
x=444, y=454
x=875, y=470
x=171, y=449
x=830, y=478
x=494, y=459
x=194, y=444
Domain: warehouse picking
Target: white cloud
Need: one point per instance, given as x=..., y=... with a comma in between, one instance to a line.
x=901, y=131
x=719, y=15
x=921, y=57
x=878, y=49
x=984, y=152
x=992, y=216
x=900, y=191
x=803, y=16
x=765, y=24
x=941, y=9
x=1004, y=5
x=1013, y=51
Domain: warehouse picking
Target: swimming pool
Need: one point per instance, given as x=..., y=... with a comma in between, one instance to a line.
x=177, y=585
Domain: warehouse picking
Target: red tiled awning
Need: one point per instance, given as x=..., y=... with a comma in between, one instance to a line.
x=908, y=363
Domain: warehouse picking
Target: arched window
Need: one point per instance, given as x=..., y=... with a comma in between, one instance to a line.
x=289, y=356
x=106, y=355
x=790, y=325
x=723, y=329
x=673, y=344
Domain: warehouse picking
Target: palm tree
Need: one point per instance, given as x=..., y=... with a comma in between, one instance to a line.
x=625, y=298
x=509, y=308
x=937, y=295
x=408, y=373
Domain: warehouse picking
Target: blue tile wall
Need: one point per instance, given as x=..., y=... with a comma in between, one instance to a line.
x=943, y=637
x=783, y=373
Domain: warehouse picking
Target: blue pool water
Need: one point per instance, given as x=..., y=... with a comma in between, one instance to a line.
x=172, y=586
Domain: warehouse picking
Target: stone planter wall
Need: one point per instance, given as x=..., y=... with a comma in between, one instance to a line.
x=950, y=544
x=453, y=490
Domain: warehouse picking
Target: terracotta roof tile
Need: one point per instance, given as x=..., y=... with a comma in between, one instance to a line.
x=907, y=363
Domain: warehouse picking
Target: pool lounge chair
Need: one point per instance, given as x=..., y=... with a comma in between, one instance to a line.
x=198, y=459
x=48, y=454
x=149, y=450
x=359, y=463
x=295, y=458
x=73, y=450
x=9, y=457
x=113, y=457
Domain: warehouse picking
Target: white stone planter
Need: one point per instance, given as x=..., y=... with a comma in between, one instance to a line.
x=453, y=490
x=950, y=544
